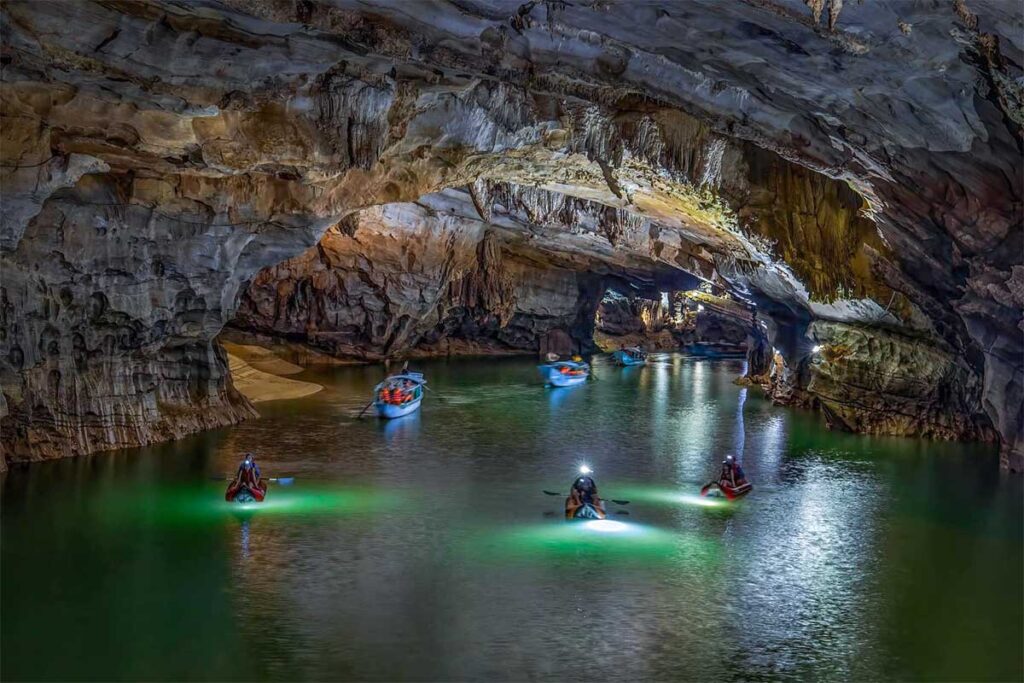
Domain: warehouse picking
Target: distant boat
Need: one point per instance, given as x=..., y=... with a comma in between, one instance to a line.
x=565, y=373
x=399, y=395
x=716, y=350
x=631, y=356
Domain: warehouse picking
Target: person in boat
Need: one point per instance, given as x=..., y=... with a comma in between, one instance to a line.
x=732, y=473
x=248, y=477
x=248, y=472
x=583, y=492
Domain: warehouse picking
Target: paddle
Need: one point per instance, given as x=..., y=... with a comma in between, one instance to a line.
x=366, y=408
x=614, y=500
x=283, y=481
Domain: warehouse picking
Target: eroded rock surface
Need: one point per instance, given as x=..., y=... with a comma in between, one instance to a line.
x=413, y=279
x=884, y=383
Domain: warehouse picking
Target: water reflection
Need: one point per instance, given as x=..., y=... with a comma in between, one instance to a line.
x=559, y=396
x=402, y=429
x=418, y=548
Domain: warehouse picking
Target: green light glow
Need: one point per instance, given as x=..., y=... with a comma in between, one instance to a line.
x=595, y=541
x=202, y=503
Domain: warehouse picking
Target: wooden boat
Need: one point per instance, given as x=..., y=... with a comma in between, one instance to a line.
x=565, y=373
x=399, y=395
x=632, y=356
x=721, y=488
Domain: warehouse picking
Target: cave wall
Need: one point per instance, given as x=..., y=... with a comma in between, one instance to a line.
x=633, y=321
x=400, y=281
x=885, y=383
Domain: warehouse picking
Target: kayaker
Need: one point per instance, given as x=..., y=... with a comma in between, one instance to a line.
x=584, y=492
x=584, y=489
x=247, y=479
x=248, y=472
x=732, y=473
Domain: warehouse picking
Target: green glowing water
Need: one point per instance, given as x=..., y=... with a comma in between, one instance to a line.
x=424, y=548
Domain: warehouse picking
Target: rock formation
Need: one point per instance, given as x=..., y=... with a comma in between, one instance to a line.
x=418, y=279
x=854, y=179
x=633, y=321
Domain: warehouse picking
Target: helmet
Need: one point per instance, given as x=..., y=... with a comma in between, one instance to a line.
x=584, y=483
x=730, y=458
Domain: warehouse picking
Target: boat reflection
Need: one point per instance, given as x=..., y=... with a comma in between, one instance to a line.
x=401, y=428
x=559, y=397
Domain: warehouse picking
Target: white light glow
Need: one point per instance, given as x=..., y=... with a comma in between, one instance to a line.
x=817, y=347
x=700, y=307
x=585, y=470
x=606, y=526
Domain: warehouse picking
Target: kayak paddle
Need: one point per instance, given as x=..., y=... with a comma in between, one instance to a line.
x=283, y=481
x=614, y=500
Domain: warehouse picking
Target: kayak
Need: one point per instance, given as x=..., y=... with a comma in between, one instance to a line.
x=399, y=395
x=565, y=373
x=719, y=489
x=244, y=493
x=585, y=511
x=628, y=357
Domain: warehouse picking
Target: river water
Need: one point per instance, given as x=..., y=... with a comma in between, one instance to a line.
x=424, y=548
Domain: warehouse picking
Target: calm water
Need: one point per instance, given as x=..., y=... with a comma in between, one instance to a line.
x=424, y=548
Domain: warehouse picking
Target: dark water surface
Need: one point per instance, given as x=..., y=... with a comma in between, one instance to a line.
x=424, y=548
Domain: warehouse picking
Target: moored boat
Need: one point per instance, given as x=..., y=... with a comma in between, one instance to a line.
x=630, y=356
x=399, y=395
x=565, y=373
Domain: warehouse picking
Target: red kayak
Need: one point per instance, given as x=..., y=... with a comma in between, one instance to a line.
x=246, y=492
x=730, y=492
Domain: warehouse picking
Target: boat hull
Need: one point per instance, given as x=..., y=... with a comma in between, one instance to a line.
x=391, y=410
x=585, y=511
x=243, y=493
x=625, y=359
x=557, y=379
x=717, y=489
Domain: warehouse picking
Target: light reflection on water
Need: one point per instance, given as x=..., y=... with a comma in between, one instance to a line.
x=425, y=547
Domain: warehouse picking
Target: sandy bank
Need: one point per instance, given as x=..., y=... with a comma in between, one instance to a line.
x=256, y=382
